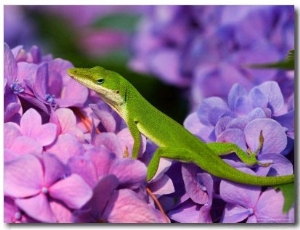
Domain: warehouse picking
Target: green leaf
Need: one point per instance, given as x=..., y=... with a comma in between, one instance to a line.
x=119, y=21
x=288, y=192
x=287, y=63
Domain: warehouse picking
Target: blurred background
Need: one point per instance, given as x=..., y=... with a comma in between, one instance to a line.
x=174, y=55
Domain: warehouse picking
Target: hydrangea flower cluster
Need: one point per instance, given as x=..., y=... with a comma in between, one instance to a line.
x=60, y=167
x=240, y=120
x=198, y=46
x=67, y=154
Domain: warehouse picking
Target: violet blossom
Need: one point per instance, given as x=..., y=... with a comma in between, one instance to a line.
x=201, y=46
x=49, y=149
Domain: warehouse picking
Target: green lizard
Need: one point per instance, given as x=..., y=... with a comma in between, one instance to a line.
x=174, y=141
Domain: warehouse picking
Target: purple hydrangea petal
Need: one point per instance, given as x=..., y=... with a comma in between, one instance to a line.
x=20, y=181
x=102, y=193
x=10, y=65
x=66, y=147
x=239, y=123
x=238, y=100
x=126, y=207
x=84, y=167
x=60, y=66
x=37, y=207
x=73, y=191
x=240, y=194
x=171, y=58
x=257, y=113
x=195, y=190
x=53, y=169
x=26, y=145
x=280, y=165
x=288, y=122
x=186, y=213
x=40, y=82
x=211, y=109
x=105, y=116
x=163, y=166
x=192, y=124
x=130, y=173
x=222, y=125
x=275, y=139
x=68, y=98
x=61, y=212
x=162, y=186
x=102, y=160
x=271, y=92
x=126, y=141
x=233, y=136
x=234, y=213
x=11, y=112
x=27, y=71
x=110, y=141
x=267, y=213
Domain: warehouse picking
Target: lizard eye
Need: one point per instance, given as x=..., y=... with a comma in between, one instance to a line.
x=100, y=81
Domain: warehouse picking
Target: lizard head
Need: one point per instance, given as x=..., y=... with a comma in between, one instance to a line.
x=106, y=83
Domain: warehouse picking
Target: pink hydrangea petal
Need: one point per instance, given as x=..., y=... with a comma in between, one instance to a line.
x=10, y=210
x=110, y=141
x=126, y=141
x=23, y=176
x=26, y=145
x=267, y=213
x=73, y=191
x=11, y=132
x=54, y=169
x=66, y=121
x=131, y=173
x=126, y=207
x=31, y=126
x=66, y=147
x=162, y=186
x=84, y=167
x=68, y=98
x=102, y=159
x=37, y=207
x=62, y=213
x=46, y=134
x=192, y=186
x=106, y=117
x=27, y=71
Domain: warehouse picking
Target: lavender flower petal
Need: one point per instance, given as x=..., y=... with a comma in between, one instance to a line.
x=126, y=207
x=37, y=207
x=72, y=190
x=20, y=181
x=275, y=139
x=267, y=213
x=31, y=126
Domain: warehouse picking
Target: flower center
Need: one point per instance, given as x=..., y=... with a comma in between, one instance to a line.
x=50, y=99
x=16, y=87
x=251, y=211
x=18, y=215
x=45, y=190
